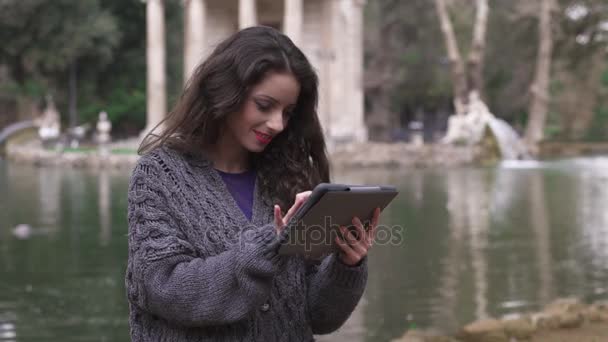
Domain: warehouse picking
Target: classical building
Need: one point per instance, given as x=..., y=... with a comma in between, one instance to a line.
x=328, y=31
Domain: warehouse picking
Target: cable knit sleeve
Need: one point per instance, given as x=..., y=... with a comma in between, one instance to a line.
x=334, y=289
x=164, y=274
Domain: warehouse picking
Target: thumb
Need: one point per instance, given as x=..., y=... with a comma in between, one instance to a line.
x=278, y=217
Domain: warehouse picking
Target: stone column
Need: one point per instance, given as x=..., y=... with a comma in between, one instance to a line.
x=247, y=14
x=155, y=61
x=356, y=84
x=346, y=89
x=292, y=20
x=194, y=34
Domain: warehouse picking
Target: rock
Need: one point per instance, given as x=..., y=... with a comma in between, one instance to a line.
x=593, y=314
x=565, y=305
x=562, y=313
x=485, y=330
x=601, y=306
x=422, y=336
x=570, y=320
x=520, y=328
x=545, y=320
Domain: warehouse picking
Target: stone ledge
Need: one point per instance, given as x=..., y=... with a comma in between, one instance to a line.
x=568, y=316
x=359, y=155
x=35, y=155
x=398, y=155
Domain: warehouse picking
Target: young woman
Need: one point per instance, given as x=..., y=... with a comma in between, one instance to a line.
x=206, y=203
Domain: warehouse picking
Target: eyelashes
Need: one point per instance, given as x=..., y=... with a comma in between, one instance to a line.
x=266, y=108
x=263, y=107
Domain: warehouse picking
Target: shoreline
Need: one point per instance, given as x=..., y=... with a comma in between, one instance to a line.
x=372, y=155
x=360, y=155
x=565, y=319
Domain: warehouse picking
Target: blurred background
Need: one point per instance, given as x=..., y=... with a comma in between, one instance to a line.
x=490, y=116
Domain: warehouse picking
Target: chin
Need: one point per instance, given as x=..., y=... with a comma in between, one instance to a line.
x=255, y=148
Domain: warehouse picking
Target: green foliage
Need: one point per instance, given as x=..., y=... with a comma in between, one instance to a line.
x=106, y=38
x=44, y=37
x=124, y=106
x=41, y=38
x=605, y=78
x=598, y=130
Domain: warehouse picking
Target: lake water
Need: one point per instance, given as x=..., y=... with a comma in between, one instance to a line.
x=466, y=243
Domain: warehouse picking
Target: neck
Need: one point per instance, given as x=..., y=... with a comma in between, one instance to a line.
x=229, y=156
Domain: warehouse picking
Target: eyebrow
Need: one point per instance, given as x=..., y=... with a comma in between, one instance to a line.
x=268, y=98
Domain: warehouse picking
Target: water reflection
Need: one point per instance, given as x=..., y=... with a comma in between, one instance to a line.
x=105, y=217
x=486, y=243
x=539, y=222
x=57, y=284
x=478, y=243
x=49, y=196
x=468, y=206
x=592, y=211
x=7, y=332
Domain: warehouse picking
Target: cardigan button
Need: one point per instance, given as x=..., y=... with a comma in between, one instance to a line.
x=265, y=307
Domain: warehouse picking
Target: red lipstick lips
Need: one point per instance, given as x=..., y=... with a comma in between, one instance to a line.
x=262, y=137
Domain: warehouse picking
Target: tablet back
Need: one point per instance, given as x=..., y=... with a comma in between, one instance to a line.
x=314, y=235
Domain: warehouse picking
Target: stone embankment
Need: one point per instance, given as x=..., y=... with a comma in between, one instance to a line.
x=373, y=154
x=363, y=155
x=34, y=154
x=561, y=321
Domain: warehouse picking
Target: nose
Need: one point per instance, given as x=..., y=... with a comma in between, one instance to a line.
x=276, y=122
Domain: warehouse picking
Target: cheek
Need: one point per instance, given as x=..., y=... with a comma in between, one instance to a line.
x=253, y=117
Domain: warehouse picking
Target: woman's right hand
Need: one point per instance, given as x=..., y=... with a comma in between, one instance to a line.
x=281, y=221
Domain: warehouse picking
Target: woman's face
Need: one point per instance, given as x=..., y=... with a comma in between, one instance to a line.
x=265, y=112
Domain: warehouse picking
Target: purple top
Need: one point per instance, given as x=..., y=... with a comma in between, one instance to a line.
x=241, y=186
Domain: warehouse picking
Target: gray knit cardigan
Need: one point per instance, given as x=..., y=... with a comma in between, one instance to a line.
x=199, y=270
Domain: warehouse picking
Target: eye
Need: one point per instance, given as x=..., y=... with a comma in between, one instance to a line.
x=263, y=106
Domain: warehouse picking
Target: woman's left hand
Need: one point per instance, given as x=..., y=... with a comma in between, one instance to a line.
x=353, y=250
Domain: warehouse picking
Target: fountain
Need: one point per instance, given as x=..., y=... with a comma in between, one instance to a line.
x=479, y=124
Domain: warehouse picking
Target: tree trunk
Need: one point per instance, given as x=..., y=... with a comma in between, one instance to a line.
x=540, y=86
x=379, y=78
x=459, y=81
x=380, y=120
x=476, y=56
x=73, y=96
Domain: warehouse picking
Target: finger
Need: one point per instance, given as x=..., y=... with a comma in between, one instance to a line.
x=363, y=244
x=356, y=244
x=347, y=250
x=305, y=194
x=300, y=199
x=371, y=232
x=278, y=217
x=363, y=236
x=296, y=205
x=376, y=217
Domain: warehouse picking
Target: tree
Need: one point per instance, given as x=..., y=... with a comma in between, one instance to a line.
x=540, y=87
x=463, y=83
x=404, y=78
x=43, y=48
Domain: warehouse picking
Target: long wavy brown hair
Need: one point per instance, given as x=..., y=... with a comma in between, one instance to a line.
x=296, y=159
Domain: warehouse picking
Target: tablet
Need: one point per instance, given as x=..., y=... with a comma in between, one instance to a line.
x=312, y=230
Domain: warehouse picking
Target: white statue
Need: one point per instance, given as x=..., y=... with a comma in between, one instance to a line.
x=104, y=126
x=469, y=128
x=416, y=133
x=50, y=125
